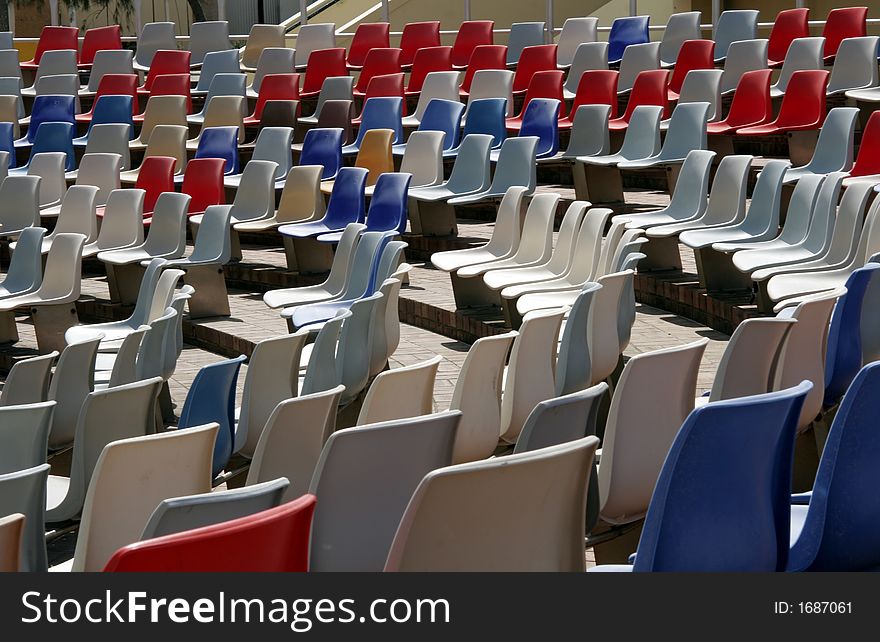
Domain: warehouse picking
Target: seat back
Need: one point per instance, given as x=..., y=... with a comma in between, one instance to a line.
x=485, y=58
x=312, y=37
x=733, y=25
x=208, y=36
x=11, y=531
x=110, y=61
x=219, y=62
x=854, y=65
x=400, y=393
x=169, y=141
x=122, y=225
x=679, y=28
x=374, y=154
x=751, y=104
x=323, y=146
x=471, y=34
x=840, y=24
x=153, y=37
x=261, y=37
x=388, y=207
x=367, y=36
x=423, y=157
x=220, y=142
x=167, y=235
x=109, y=139
x=789, y=25
x=213, y=243
x=562, y=419
x=803, y=105
x=325, y=64
x=164, y=62
x=533, y=58
x=24, y=492
x=24, y=430
x=163, y=110
x=516, y=165
x=156, y=177
x=744, y=56
x=486, y=116
x=430, y=60
x=636, y=59
x=626, y=31
x=575, y=32
x=28, y=381
x=471, y=171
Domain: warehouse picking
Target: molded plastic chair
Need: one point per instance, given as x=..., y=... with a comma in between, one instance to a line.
x=803, y=54
x=416, y=36
x=379, y=62
x=378, y=113
x=733, y=25
x=686, y=132
x=209, y=36
x=649, y=88
x=367, y=36
x=312, y=37
x=273, y=60
x=113, y=84
x=834, y=148
x=544, y=84
x=122, y=225
x=52, y=108
x=743, y=56
x=24, y=492
x=625, y=31
x=400, y=393
x=533, y=59
x=855, y=65
x=361, y=472
x=516, y=166
x=224, y=86
x=475, y=501
x=575, y=32
x=19, y=211
x=590, y=56
x=751, y=105
x=53, y=38
x=221, y=62
x=54, y=63
x=789, y=25
x=301, y=200
x=597, y=87
x=523, y=35
x=423, y=158
x=260, y=37
x=679, y=28
x=28, y=381
x=323, y=64
x=108, y=62
x=471, y=34
x=483, y=58
x=25, y=433
x=275, y=540
x=98, y=39
x=166, y=238
x=165, y=62
x=694, y=54
x=274, y=87
x=438, y=85
x=842, y=23
x=154, y=36
x=803, y=106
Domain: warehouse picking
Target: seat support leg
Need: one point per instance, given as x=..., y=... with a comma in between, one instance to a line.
x=8, y=329
x=50, y=324
x=472, y=292
x=717, y=272
x=124, y=282
x=801, y=146
x=312, y=257
x=436, y=218
x=661, y=254
x=603, y=184
x=210, y=298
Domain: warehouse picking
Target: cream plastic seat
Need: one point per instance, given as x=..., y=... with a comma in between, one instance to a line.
x=423, y=158
x=491, y=83
x=438, y=84
x=165, y=140
x=49, y=166
x=101, y=170
x=153, y=36
x=122, y=226
x=108, y=138
x=530, y=373
x=482, y=516
x=400, y=393
x=222, y=111
x=160, y=110
x=11, y=531
x=97, y=426
x=638, y=435
x=10, y=63
x=51, y=305
x=636, y=59
x=364, y=479
x=301, y=201
x=587, y=57
x=575, y=32
x=131, y=477
x=107, y=61
x=335, y=283
x=260, y=37
x=28, y=381
x=19, y=204
x=802, y=54
x=272, y=377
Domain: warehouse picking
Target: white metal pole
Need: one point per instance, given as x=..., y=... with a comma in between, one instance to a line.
x=550, y=21
x=716, y=11
x=53, y=12
x=221, y=9
x=467, y=9
x=10, y=11
x=386, y=14
x=303, y=12
x=633, y=7
x=138, y=22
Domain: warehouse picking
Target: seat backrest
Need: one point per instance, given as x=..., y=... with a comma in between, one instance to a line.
x=388, y=206
x=367, y=36
x=471, y=34
x=687, y=130
x=800, y=208
x=170, y=141
x=854, y=66
x=562, y=419
x=744, y=56
x=541, y=120
x=19, y=205
x=28, y=381
x=642, y=138
x=733, y=25
x=122, y=225
x=150, y=359
x=730, y=464
x=264, y=36
x=208, y=36
x=102, y=168
x=213, y=243
x=516, y=165
x=727, y=200
x=301, y=199
x=574, y=363
x=323, y=65
x=163, y=110
x=355, y=350
x=165, y=62
x=56, y=62
x=273, y=60
x=167, y=235
x=321, y=373
x=444, y=116
x=824, y=215
x=221, y=62
x=636, y=59
x=374, y=154
x=638, y=435
x=366, y=476
x=751, y=104
x=763, y=213
x=153, y=37
x=868, y=159
x=840, y=24
x=626, y=31
x=203, y=181
x=347, y=201
x=533, y=59
x=423, y=157
x=255, y=197
x=804, y=100
x=430, y=60
x=323, y=146
x=24, y=491
x=311, y=37
x=24, y=430
x=471, y=171
x=803, y=54
x=588, y=246
x=575, y=31
x=679, y=28
x=789, y=25
x=481, y=516
x=522, y=35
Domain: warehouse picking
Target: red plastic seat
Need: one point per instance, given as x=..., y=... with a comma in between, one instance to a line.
x=868, y=159
x=596, y=87
x=156, y=175
x=415, y=36
x=274, y=540
x=483, y=57
x=274, y=87
x=545, y=84
x=379, y=62
x=471, y=34
x=848, y=22
x=166, y=62
x=171, y=85
x=789, y=24
x=649, y=88
x=51, y=39
x=113, y=84
x=751, y=104
x=323, y=64
x=367, y=36
x=98, y=39
x=533, y=59
x=427, y=60
x=694, y=54
x=203, y=181
x=380, y=86
x=803, y=106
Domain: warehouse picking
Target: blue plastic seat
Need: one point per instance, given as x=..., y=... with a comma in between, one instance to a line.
x=843, y=355
x=48, y=108
x=384, y=112
x=625, y=31
x=211, y=398
x=346, y=205
x=485, y=116
x=834, y=527
x=542, y=120
x=109, y=109
x=388, y=207
x=7, y=142
x=323, y=146
x=440, y=116
x=220, y=142
x=53, y=137
x=721, y=503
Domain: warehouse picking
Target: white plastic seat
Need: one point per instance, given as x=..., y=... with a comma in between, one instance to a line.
x=71, y=383
x=423, y=158
x=24, y=275
x=119, y=368
x=802, y=54
x=154, y=345
x=208, y=36
x=575, y=32
x=313, y=36
x=516, y=166
x=108, y=61
x=636, y=59
x=301, y=200
x=273, y=144
x=482, y=516
x=387, y=335
x=364, y=479
x=273, y=60
x=701, y=85
x=28, y=381
x=292, y=440
x=733, y=25
x=122, y=226
x=574, y=370
x=319, y=363
x=587, y=57
x=855, y=65
x=19, y=204
x=679, y=27
x=491, y=83
x=101, y=169
x=642, y=138
x=165, y=140
x=49, y=166
x=166, y=238
x=400, y=393
x=589, y=134
x=333, y=88
x=76, y=216
x=834, y=148
x=153, y=37
x=442, y=85
x=744, y=55
x=686, y=132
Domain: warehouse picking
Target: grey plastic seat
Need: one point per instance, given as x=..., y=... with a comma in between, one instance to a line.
x=24, y=431
x=273, y=60
x=423, y=158
x=802, y=54
x=442, y=85
x=574, y=365
x=10, y=63
x=208, y=36
x=686, y=132
x=102, y=168
x=49, y=166
x=19, y=204
x=491, y=83
x=522, y=35
x=313, y=36
x=333, y=88
x=120, y=367
x=701, y=85
x=855, y=65
x=11, y=86
x=166, y=238
x=72, y=382
x=122, y=226
x=482, y=516
x=636, y=59
x=153, y=37
x=733, y=25
x=108, y=61
x=364, y=480
x=273, y=144
x=587, y=57
x=642, y=138
x=216, y=62
x=575, y=32
x=561, y=420
x=589, y=134
x=25, y=270
x=76, y=216
x=834, y=148
x=28, y=381
x=96, y=427
x=744, y=55
x=24, y=492
x=234, y=84
x=178, y=514
x=354, y=351
x=53, y=63
x=516, y=166
x=679, y=27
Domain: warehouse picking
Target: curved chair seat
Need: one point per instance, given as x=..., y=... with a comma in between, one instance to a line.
x=306, y=230
x=316, y=313
x=546, y=300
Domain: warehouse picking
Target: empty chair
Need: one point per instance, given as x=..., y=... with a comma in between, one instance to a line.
x=471, y=34
x=378, y=113
x=803, y=107
x=744, y=56
x=312, y=37
x=840, y=24
x=483, y=58
x=273, y=144
x=260, y=37
x=701, y=85
x=275, y=87
x=487, y=116
x=544, y=84
x=367, y=36
x=160, y=110
x=349, y=486
x=379, y=62
x=324, y=64
x=28, y=381
x=219, y=142
x=478, y=521
x=492, y=84
x=301, y=200
x=52, y=137
x=25, y=432
x=649, y=88
x=19, y=210
x=227, y=546
x=97, y=39
x=834, y=147
x=679, y=28
x=803, y=54
x=866, y=166
x=733, y=25
x=154, y=36
x=522, y=35
x=636, y=59
x=222, y=86
x=108, y=62
x=751, y=104
x=789, y=25
x=533, y=59
x=589, y=132
x=53, y=38
x=515, y=167
x=53, y=63
x=598, y=87
x=24, y=492
x=122, y=225
x=590, y=56
x=423, y=158
x=694, y=54
x=854, y=65
x=686, y=132
x=205, y=37
x=274, y=60
x=416, y=36
x=335, y=91
x=428, y=60
x=575, y=32
x=165, y=62
x=625, y=31
x=221, y=62
x=438, y=85
x=400, y=393
x=48, y=109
